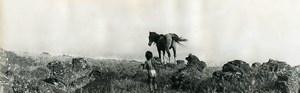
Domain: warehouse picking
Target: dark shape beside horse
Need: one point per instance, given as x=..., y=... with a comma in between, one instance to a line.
x=164, y=43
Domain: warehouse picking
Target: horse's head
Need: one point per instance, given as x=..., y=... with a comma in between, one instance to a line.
x=152, y=37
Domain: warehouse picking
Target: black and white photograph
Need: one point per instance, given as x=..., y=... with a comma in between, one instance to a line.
x=149, y=46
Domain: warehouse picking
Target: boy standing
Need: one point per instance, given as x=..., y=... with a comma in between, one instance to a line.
x=151, y=71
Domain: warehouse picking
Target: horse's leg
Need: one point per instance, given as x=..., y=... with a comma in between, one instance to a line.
x=174, y=51
x=159, y=54
x=164, y=52
x=169, y=54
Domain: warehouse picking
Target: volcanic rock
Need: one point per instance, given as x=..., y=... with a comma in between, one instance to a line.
x=189, y=76
x=256, y=65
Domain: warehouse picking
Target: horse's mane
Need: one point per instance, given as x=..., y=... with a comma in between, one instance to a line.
x=156, y=34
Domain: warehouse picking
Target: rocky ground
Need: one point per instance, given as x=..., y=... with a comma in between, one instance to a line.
x=43, y=73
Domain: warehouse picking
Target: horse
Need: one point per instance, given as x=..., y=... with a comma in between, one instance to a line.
x=164, y=43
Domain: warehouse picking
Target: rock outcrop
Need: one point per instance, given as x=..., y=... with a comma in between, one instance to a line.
x=58, y=71
x=256, y=65
x=235, y=76
x=189, y=76
x=79, y=64
x=275, y=66
x=289, y=81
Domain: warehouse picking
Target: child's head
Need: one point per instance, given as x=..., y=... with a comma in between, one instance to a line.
x=148, y=55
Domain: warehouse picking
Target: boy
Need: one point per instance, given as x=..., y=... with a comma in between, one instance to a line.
x=151, y=71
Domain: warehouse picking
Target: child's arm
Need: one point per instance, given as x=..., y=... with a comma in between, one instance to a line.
x=145, y=64
x=142, y=66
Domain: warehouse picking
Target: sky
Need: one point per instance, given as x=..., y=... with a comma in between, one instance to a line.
x=218, y=30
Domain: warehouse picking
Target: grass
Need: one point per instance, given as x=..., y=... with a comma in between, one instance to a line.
x=131, y=78
x=25, y=72
x=116, y=76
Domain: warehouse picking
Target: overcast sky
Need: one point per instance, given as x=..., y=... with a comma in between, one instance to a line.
x=218, y=30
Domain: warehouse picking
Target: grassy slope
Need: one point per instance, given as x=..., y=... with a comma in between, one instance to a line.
x=117, y=75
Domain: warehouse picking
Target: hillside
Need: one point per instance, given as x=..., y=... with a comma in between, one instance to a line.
x=44, y=73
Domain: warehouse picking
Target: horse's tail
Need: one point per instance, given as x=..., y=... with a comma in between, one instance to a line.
x=178, y=39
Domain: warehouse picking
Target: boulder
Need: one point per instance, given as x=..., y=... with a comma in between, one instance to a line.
x=275, y=66
x=256, y=65
x=55, y=82
x=193, y=61
x=272, y=76
x=97, y=86
x=296, y=68
x=95, y=73
x=236, y=66
x=289, y=82
x=79, y=64
x=101, y=82
x=56, y=68
x=58, y=71
x=189, y=76
x=235, y=77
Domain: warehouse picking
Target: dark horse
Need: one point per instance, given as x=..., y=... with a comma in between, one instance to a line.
x=164, y=43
